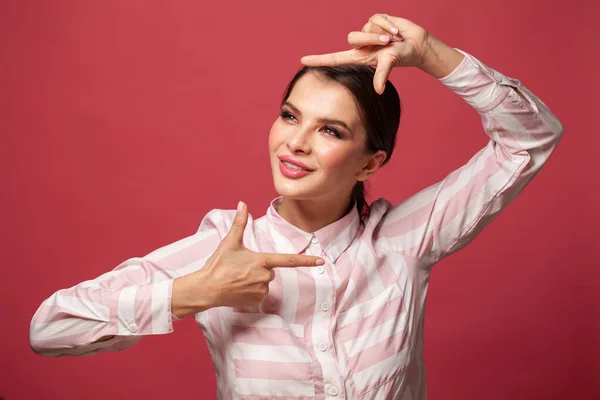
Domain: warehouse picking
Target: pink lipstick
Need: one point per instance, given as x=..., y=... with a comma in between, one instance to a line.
x=292, y=168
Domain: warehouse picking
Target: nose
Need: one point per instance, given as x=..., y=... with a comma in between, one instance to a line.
x=299, y=140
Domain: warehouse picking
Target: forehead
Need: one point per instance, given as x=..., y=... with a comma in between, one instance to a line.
x=317, y=97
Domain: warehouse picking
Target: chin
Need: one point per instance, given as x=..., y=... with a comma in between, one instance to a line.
x=292, y=190
x=298, y=189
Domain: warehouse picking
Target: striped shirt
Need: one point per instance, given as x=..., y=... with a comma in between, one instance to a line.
x=351, y=329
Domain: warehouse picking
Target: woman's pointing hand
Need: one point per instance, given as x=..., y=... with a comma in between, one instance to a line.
x=233, y=276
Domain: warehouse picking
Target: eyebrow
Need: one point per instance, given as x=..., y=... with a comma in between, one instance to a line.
x=323, y=120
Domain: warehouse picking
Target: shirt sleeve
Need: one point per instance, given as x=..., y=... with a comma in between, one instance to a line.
x=131, y=301
x=447, y=215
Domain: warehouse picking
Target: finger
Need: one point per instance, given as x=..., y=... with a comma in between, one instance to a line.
x=290, y=260
x=360, y=39
x=269, y=275
x=372, y=28
x=331, y=59
x=236, y=232
x=382, y=73
x=384, y=23
x=265, y=289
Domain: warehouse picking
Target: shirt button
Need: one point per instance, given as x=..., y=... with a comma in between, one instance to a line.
x=333, y=391
x=320, y=269
x=133, y=328
x=314, y=240
x=323, y=346
x=325, y=306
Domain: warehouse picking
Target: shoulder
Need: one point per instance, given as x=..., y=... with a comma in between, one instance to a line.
x=375, y=224
x=378, y=210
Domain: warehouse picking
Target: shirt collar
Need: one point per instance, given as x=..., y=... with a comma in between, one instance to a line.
x=334, y=238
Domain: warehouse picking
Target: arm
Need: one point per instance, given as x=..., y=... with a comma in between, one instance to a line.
x=143, y=296
x=117, y=309
x=523, y=133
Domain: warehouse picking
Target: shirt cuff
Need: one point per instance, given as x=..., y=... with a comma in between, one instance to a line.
x=482, y=87
x=145, y=309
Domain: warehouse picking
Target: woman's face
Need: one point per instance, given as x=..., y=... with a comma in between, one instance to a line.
x=317, y=145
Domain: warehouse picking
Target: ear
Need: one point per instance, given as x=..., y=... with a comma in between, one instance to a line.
x=373, y=163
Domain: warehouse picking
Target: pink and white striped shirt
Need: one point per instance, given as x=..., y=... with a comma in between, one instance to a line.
x=351, y=329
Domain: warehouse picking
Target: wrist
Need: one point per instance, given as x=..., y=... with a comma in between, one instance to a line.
x=439, y=59
x=188, y=296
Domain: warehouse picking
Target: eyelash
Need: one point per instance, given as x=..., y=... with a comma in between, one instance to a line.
x=287, y=115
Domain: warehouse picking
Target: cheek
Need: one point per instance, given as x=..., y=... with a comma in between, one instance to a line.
x=338, y=160
x=275, y=136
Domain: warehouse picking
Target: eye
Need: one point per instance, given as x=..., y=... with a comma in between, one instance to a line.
x=332, y=131
x=286, y=115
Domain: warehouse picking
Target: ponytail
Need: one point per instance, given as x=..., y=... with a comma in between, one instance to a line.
x=358, y=195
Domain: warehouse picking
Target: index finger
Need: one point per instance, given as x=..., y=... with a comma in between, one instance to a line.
x=331, y=59
x=291, y=260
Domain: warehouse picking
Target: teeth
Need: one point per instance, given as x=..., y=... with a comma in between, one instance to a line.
x=292, y=165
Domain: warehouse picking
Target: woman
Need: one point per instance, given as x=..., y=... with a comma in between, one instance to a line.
x=323, y=297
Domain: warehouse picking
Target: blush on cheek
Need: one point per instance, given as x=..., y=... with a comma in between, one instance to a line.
x=339, y=167
x=337, y=159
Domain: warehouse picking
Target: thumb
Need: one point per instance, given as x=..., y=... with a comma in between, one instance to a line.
x=236, y=232
x=384, y=68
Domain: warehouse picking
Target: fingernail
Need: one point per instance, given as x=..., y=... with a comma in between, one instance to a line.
x=384, y=38
x=394, y=30
x=240, y=207
x=320, y=261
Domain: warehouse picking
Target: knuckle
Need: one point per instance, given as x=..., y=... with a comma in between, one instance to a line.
x=266, y=277
x=271, y=275
x=292, y=260
x=261, y=261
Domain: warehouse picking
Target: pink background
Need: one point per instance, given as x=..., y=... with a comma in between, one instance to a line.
x=124, y=122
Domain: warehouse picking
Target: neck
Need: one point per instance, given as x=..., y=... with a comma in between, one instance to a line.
x=312, y=215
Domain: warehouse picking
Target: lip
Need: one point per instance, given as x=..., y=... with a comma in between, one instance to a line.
x=292, y=160
x=293, y=173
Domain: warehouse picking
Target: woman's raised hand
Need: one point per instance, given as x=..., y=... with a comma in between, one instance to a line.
x=385, y=42
x=233, y=276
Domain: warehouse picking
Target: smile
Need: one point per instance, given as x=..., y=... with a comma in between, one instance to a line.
x=293, y=169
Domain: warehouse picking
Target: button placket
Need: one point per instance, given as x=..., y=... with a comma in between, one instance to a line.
x=321, y=321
